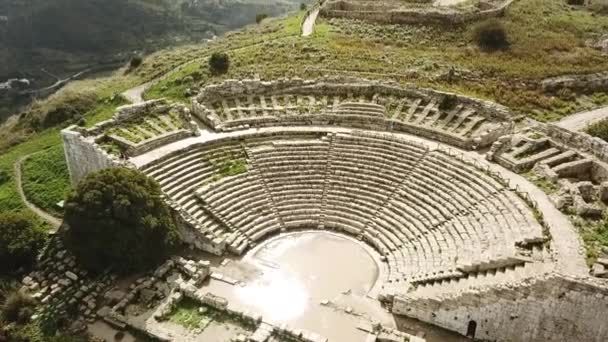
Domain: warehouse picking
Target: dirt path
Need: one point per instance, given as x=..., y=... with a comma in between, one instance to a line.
x=579, y=121
x=52, y=220
x=134, y=95
x=309, y=22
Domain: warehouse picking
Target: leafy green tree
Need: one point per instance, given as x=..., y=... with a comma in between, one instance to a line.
x=116, y=218
x=219, y=62
x=21, y=238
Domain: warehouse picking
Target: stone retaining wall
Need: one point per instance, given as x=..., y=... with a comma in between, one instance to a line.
x=577, y=140
x=556, y=308
x=84, y=156
x=579, y=83
x=428, y=15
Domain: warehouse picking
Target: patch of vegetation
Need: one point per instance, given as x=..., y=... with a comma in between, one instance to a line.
x=186, y=314
x=599, y=129
x=18, y=307
x=448, y=102
x=135, y=62
x=595, y=237
x=4, y=176
x=193, y=315
x=41, y=331
x=490, y=35
x=599, y=8
x=259, y=17
x=117, y=219
x=219, y=62
x=21, y=238
x=46, y=180
x=9, y=197
x=228, y=168
x=544, y=184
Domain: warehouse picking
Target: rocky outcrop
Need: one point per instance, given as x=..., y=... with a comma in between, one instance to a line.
x=578, y=83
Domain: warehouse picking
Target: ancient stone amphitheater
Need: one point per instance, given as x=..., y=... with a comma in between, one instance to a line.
x=462, y=243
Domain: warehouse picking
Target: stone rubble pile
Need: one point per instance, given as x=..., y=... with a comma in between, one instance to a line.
x=62, y=288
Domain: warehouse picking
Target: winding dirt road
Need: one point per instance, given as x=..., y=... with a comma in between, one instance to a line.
x=135, y=95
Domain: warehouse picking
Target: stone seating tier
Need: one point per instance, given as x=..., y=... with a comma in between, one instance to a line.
x=469, y=123
x=429, y=215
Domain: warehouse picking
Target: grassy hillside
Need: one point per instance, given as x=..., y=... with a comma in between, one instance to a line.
x=547, y=38
x=45, y=40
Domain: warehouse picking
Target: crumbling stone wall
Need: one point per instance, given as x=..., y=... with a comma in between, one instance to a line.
x=579, y=83
x=556, y=308
x=577, y=140
x=391, y=14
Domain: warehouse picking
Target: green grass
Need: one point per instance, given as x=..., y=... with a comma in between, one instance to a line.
x=193, y=315
x=228, y=168
x=187, y=314
x=595, y=237
x=48, y=139
x=46, y=180
x=547, y=38
x=598, y=129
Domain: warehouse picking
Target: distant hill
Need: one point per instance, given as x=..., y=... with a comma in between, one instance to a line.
x=41, y=39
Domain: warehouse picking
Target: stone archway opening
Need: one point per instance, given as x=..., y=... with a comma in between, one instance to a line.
x=471, y=329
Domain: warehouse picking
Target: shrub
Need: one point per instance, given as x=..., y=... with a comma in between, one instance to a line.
x=18, y=307
x=117, y=219
x=448, y=102
x=20, y=240
x=599, y=129
x=219, y=62
x=135, y=62
x=490, y=35
x=260, y=16
x=4, y=176
x=599, y=8
x=575, y=2
x=303, y=7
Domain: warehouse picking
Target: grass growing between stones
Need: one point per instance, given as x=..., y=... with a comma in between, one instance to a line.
x=187, y=314
x=599, y=129
x=544, y=184
x=46, y=179
x=194, y=316
x=595, y=237
x=229, y=168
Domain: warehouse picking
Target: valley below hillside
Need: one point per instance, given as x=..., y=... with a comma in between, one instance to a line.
x=44, y=44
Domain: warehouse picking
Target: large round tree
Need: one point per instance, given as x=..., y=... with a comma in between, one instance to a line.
x=117, y=219
x=20, y=241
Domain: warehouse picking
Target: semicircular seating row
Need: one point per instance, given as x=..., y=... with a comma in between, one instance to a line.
x=457, y=126
x=429, y=215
